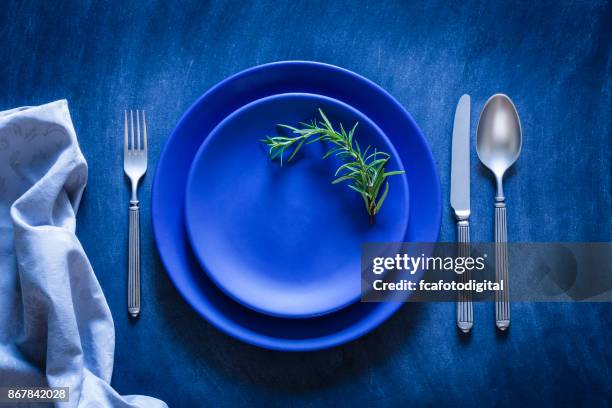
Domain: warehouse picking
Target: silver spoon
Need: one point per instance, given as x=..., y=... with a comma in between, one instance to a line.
x=498, y=144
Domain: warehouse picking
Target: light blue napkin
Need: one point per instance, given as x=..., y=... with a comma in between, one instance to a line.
x=55, y=326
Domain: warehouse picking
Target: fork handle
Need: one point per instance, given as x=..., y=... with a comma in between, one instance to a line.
x=134, y=260
x=465, y=319
x=502, y=303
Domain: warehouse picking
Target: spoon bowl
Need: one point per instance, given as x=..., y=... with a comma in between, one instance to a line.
x=498, y=137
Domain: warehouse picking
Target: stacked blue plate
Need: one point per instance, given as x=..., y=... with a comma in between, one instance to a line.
x=271, y=254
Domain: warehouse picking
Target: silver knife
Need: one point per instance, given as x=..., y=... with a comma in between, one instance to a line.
x=460, y=201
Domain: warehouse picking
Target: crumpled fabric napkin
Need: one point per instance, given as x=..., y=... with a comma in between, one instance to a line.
x=55, y=325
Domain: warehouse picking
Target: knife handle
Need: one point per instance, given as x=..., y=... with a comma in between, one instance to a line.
x=502, y=303
x=465, y=318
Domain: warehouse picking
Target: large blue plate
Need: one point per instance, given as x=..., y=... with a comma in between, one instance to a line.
x=285, y=241
x=171, y=178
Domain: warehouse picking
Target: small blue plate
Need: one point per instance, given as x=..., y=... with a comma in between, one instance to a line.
x=167, y=202
x=284, y=240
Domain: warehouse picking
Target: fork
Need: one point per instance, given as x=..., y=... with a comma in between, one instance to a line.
x=135, y=166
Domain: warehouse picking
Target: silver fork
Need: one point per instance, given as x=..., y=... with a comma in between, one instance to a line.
x=135, y=166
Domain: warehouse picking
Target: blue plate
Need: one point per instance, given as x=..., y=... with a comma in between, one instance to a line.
x=285, y=241
x=171, y=178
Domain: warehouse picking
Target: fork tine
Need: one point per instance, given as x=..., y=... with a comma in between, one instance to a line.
x=125, y=133
x=137, y=129
x=132, y=127
x=144, y=130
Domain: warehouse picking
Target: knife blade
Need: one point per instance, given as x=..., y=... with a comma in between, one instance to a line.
x=460, y=161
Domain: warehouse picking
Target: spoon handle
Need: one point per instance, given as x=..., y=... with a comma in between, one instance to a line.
x=502, y=303
x=465, y=319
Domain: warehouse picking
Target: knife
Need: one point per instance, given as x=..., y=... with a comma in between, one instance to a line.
x=460, y=202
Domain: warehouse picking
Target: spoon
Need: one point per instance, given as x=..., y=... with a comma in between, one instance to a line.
x=498, y=144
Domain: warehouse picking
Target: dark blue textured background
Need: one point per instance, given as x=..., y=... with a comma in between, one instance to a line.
x=552, y=59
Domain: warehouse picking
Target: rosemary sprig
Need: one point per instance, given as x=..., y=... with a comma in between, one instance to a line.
x=364, y=170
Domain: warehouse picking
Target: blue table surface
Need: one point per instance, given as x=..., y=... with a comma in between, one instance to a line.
x=553, y=59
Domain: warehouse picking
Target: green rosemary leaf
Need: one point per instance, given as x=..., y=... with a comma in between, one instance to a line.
x=357, y=148
x=352, y=133
x=331, y=152
x=365, y=152
x=349, y=166
x=358, y=190
x=296, y=150
x=339, y=179
x=377, y=162
x=291, y=128
x=343, y=132
x=393, y=173
x=376, y=154
x=382, y=199
x=327, y=122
